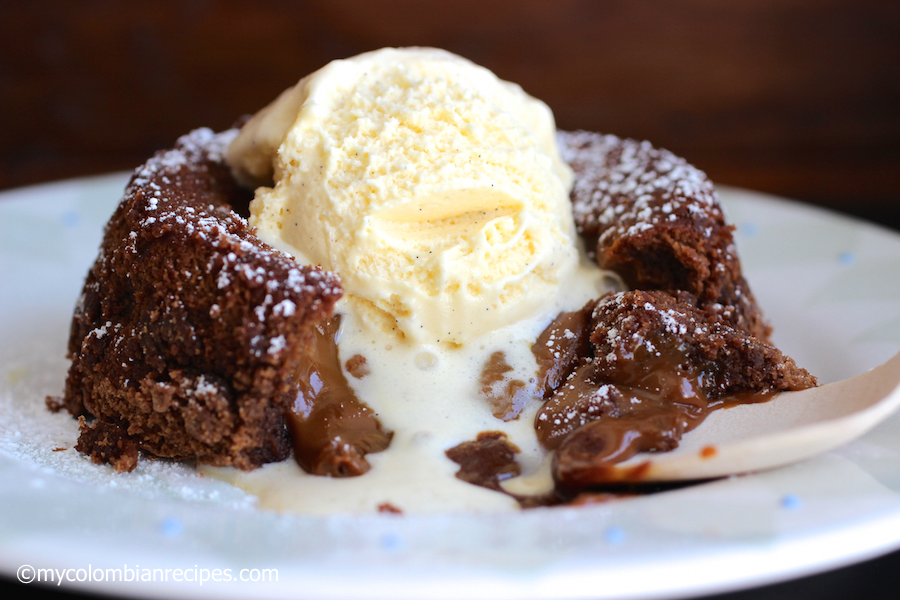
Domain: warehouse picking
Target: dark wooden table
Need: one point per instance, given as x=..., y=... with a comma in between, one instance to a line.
x=799, y=98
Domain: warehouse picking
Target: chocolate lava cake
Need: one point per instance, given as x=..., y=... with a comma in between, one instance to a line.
x=190, y=332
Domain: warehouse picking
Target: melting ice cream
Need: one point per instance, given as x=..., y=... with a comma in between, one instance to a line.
x=436, y=191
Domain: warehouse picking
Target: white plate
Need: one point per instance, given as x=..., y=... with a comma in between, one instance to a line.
x=831, y=286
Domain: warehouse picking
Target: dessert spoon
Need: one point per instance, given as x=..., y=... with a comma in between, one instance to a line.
x=791, y=427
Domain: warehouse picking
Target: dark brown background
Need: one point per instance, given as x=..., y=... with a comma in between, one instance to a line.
x=794, y=97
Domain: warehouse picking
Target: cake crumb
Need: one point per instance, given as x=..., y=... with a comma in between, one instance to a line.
x=107, y=443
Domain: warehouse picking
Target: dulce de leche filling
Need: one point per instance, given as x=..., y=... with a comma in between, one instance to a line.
x=629, y=373
x=331, y=429
x=593, y=425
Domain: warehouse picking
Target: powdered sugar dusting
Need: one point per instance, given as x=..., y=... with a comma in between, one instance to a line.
x=253, y=262
x=200, y=144
x=625, y=187
x=45, y=440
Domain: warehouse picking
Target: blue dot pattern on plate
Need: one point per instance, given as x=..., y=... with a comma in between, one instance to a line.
x=391, y=542
x=71, y=219
x=750, y=229
x=614, y=535
x=172, y=527
x=847, y=258
x=791, y=502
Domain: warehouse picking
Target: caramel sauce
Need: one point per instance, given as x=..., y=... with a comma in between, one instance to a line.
x=594, y=421
x=708, y=451
x=591, y=419
x=331, y=429
x=594, y=425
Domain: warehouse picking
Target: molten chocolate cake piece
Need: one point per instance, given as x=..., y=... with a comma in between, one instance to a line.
x=656, y=221
x=658, y=365
x=190, y=330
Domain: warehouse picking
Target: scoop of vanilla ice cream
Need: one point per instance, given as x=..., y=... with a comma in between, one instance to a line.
x=431, y=186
